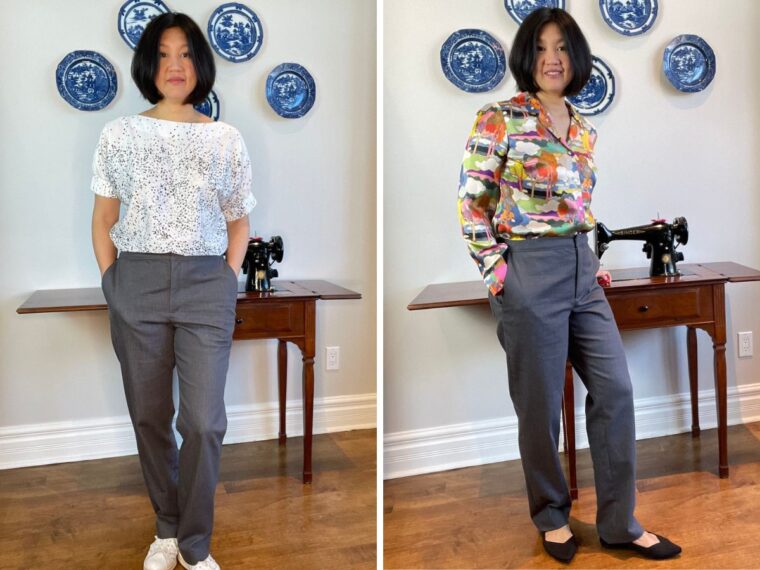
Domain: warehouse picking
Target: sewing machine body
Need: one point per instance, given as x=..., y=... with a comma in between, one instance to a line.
x=660, y=242
x=257, y=265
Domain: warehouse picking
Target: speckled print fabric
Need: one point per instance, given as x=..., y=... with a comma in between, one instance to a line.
x=179, y=183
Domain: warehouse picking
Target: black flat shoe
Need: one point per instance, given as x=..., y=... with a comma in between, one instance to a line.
x=562, y=551
x=660, y=551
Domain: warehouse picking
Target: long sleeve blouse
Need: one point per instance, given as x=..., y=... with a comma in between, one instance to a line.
x=521, y=180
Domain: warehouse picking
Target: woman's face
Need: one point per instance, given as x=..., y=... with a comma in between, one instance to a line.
x=553, y=70
x=175, y=78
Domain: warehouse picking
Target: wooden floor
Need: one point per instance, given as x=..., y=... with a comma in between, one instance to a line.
x=96, y=514
x=478, y=517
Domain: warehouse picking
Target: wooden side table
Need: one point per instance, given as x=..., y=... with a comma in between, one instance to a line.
x=695, y=299
x=288, y=314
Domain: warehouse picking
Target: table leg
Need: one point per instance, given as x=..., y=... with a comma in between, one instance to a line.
x=308, y=415
x=691, y=350
x=307, y=350
x=568, y=403
x=719, y=356
x=564, y=426
x=282, y=384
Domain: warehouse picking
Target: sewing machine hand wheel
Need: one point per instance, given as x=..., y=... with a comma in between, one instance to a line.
x=278, y=249
x=681, y=230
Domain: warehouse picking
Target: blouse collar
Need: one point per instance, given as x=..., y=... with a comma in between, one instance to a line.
x=534, y=107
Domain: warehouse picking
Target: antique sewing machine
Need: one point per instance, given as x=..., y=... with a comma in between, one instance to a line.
x=257, y=264
x=661, y=240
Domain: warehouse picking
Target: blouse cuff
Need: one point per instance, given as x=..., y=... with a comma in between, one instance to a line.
x=102, y=187
x=496, y=275
x=235, y=211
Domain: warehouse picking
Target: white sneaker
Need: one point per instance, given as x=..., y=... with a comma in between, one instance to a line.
x=162, y=554
x=208, y=564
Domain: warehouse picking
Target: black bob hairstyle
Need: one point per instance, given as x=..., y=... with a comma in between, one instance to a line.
x=522, y=58
x=145, y=62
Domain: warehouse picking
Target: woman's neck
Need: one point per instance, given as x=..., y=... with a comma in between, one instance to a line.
x=174, y=111
x=552, y=101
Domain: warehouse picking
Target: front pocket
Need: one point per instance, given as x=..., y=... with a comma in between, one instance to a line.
x=107, y=272
x=230, y=271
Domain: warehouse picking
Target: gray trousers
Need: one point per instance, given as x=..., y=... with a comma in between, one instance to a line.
x=170, y=310
x=552, y=309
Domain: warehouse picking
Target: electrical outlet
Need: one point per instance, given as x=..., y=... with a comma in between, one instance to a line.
x=332, y=357
x=745, y=344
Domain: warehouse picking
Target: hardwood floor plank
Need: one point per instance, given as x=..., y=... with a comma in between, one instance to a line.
x=96, y=514
x=478, y=517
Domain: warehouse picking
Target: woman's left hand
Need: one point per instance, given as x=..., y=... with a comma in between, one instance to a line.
x=604, y=278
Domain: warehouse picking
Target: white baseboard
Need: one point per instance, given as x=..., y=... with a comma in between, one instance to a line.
x=61, y=442
x=478, y=443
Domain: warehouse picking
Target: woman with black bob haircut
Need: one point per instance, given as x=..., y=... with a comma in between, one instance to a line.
x=525, y=50
x=183, y=182
x=524, y=209
x=146, y=59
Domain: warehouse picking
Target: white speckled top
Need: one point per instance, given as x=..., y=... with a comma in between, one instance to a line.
x=179, y=183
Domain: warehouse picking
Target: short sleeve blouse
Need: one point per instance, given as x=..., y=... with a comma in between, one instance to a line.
x=179, y=183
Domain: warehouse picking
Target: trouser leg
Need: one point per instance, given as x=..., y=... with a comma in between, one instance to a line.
x=597, y=354
x=204, y=320
x=532, y=314
x=137, y=292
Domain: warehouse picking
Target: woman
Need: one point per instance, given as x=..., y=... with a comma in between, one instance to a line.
x=183, y=181
x=524, y=207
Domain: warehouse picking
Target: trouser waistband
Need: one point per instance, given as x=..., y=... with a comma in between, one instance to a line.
x=164, y=256
x=559, y=242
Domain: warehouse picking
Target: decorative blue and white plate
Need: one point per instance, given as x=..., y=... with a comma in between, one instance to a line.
x=629, y=17
x=235, y=32
x=86, y=80
x=598, y=92
x=473, y=60
x=290, y=90
x=210, y=106
x=519, y=9
x=134, y=15
x=689, y=63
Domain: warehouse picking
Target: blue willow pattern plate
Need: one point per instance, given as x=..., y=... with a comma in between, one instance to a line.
x=290, y=90
x=629, y=17
x=689, y=63
x=473, y=60
x=598, y=92
x=86, y=80
x=210, y=106
x=134, y=15
x=519, y=9
x=235, y=32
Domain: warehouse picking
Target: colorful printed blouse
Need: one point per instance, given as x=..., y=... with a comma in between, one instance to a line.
x=520, y=180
